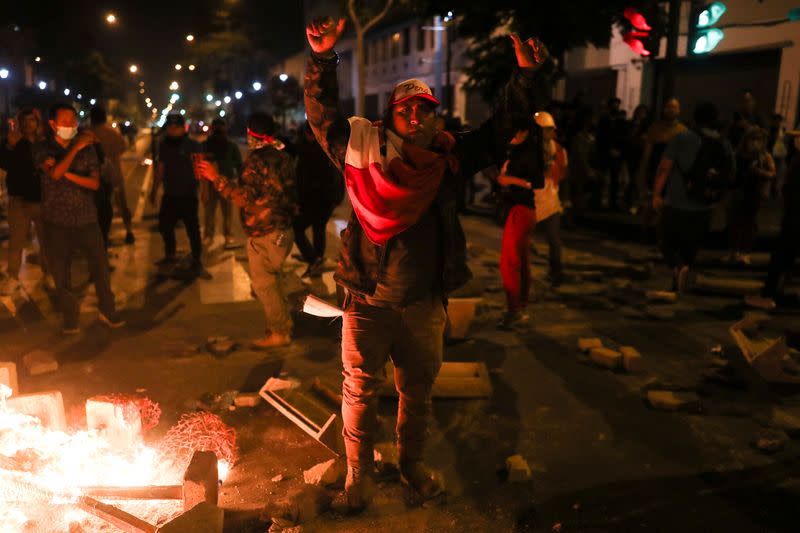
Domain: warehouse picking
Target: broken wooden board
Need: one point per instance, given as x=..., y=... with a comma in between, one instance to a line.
x=455, y=380
x=307, y=413
x=769, y=357
x=117, y=517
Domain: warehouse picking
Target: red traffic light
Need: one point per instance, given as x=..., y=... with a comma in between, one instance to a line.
x=636, y=19
x=636, y=45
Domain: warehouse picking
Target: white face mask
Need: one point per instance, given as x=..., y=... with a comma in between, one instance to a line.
x=66, y=133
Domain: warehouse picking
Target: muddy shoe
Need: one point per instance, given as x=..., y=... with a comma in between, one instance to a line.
x=425, y=482
x=359, y=488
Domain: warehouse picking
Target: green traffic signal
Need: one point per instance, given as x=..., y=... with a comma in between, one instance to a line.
x=711, y=14
x=707, y=40
x=703, y=37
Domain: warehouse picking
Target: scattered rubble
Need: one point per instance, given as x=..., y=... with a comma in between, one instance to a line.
x=220, y=345
x=771, y=441
x=8, y=376
x=668, y=400
x=631, y=359
x=277, y=479
x=326, y=474
x=586, y=344
x=246, y=399
x=662, y=296
x=40, y=362
x=518, y=469
x=786, y=421
x=606, y=357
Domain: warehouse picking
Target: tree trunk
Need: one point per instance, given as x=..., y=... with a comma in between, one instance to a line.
x=362, y=74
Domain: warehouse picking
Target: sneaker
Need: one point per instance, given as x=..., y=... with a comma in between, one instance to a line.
x=511, y=319
x=129, y=238
x=10, y=286
x=112, y=321
x=272, y=340
x=425, y=482
x=359, y=488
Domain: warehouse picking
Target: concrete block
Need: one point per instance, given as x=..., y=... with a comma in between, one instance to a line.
x=631, y=359
x=606, y=357
x=668, y=400
x=202, y=518
x=118, y=421
x=460, y=313
x=48, y=407
x=585, y=344
x=40, y=362
x=662, y=296
x=518, y=469
x=8, y=376
x=201, y=480
x=246, y=399
x=324, y=474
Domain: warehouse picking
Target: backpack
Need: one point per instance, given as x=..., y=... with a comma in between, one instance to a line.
x=712, y=173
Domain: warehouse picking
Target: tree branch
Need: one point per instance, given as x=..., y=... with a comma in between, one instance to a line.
x=364, y=28
x=377, y=18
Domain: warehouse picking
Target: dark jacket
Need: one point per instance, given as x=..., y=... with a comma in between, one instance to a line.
x=359, y=271
x=21, y=177
x=525, y=161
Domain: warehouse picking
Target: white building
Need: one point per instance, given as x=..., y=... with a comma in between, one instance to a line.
x=758, y=53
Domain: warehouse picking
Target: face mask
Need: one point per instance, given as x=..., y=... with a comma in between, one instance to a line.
x=66, y=133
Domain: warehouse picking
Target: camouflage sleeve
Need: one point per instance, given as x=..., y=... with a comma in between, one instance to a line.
x=321, y=97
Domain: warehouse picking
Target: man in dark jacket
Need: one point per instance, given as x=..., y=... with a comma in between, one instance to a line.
x=404, y=250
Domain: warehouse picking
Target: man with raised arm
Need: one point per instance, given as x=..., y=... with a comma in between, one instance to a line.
x=404, y=250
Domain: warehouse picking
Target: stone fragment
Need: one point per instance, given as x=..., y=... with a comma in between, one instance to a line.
x=40, y=362
x=204, y=517
x=771, y=441
x=246, y=399
x=48, y=407
x=668, y=400
x=119, y=422
x=606, y=357
x=518, y=469
x=330, y=472
x=299, y=506
x=631, y=359
x=277, y=384
x=201, y=480
x=277, y=478
x=662, y=296
x=8, y=376
x=586, y=344
x=387, y=454
x=786, y=421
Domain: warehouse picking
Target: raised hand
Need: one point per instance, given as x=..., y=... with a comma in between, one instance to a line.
x=531, y=53
x=323, y=33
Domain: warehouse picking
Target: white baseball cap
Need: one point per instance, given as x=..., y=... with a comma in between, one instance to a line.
x=412, y=88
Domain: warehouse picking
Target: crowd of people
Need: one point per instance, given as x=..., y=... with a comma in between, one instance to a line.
x=404, y=250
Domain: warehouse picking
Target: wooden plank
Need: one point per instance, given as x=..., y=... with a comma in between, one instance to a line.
x=151, y=492
x=118, y=518
x=318, y=431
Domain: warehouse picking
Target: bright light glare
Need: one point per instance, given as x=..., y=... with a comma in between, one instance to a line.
x=256, y=86
x=283, y=77
x=209, y=98
x=238, y=95
x=222, y=112
x=43, y=85
x=190, y=37
x=111, y=18
x=92, y=101
x=133, y=69
x=174, y=86
x=127, y=123
x=218, y=103
x=227, y=99
x=191, y=67
x=66, y=92
x=178, y=66
x=4, y=73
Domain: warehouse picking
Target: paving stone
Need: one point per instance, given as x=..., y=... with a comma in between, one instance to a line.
x=8, y=376
x=518, y=469
x=586, y=344
x=786, y=420
x=119, y=422
x=631, y=359
x=668, y=400
x=606, y=357
x=330, y=472
x=48, y=407
x=771, y=441
x=202, y=518
x=246, y=399
x=201, y=480
x=39, y=362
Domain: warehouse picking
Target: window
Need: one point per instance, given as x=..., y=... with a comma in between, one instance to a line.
x=406, y=41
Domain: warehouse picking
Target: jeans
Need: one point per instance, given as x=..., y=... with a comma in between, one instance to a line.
x=20, y=215
x=318, y=223
x=105, y=209
x=266, y=255
x=515, y=267
x=414, y=339
x=61, y=245
x=552, y=231
x=183, y=208
x=682, y=233
x=215, y=199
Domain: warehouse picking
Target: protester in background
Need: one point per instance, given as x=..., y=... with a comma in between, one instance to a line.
x=611, y=142
x=404, y=249
x=660, y=133
x=175, y=170
x=755, y=172
x=690, y=161
x=265, y=192
x=223, y=153
x=634, y=152
x=582, y=176
x=70, y=173
x=24, y=195
x=113, y=145
x=777, y=146
x=320, y=188
x=785, y=252
x=744, y=118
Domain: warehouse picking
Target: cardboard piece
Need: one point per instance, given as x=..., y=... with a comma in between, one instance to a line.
x=769, y=357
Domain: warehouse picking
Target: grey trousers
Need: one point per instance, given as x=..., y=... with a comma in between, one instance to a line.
x=266, y=255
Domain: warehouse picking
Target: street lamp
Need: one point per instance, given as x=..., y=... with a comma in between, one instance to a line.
x=42, y=85
x=133, y=69
x=218, y=103
x=283, y=77
x=256, y=86
x=227, y=99
x=66, y=92
x=191, y=67
x=178, y=66
x=111, y=19
x=38, y=59
x=190, y=38
x=92, y=101
x=4, y=73
x=80, y=96
x=238, y=95
x=174, y=86
x=209, y=98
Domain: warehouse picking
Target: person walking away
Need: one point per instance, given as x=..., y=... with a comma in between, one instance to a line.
x=174, y=168
x=755, y=171
x=24, y=196
x=404, y=249
x=548, y=204
x=520, y=175
x=660, y=133
x=634, y=151
x=225, y=154
x=70, y=173
x=784, y=254
x=611, y=139
x=320, y=188
x=265, y=194
x=696, y=171
x=113, y=145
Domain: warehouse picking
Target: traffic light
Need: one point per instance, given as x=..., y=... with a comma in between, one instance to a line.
x=634, y=29
x=703, y=36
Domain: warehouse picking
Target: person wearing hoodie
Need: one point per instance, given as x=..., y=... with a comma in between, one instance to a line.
x=404, y=249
